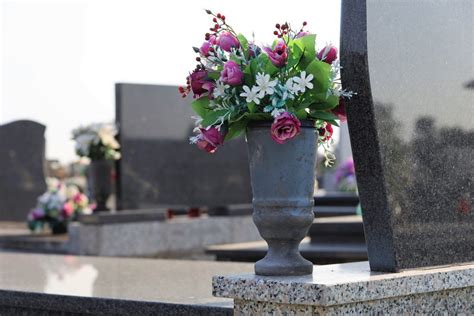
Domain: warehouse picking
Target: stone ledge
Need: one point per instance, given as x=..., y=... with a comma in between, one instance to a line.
x=343, y=284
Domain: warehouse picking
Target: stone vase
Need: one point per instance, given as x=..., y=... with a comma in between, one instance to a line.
x=283, y=179
x=99, y=172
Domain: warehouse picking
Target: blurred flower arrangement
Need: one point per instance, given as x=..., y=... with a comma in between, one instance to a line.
x=57, y=207
x=345, y=177
x=97, y=141
x=236, y=82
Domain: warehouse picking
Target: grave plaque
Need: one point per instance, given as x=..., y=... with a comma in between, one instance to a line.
x=22, y=150
x=411, y=128
x=160, y=167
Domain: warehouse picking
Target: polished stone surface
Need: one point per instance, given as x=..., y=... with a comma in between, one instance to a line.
x=411, y=128
x=345, y=283
x=160, y=167
x=112, y=285
x=22, y=150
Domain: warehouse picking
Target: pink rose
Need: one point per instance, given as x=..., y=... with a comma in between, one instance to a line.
x=200, y=83
x=340, y=110
x=226, y=41
x=210, y=139
x=279, y=55
x=328, y=54
x=232, y=74
x=68, y=210
x=204, y=50
x=285, y=127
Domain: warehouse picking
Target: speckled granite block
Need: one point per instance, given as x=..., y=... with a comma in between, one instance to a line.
x=352, y=288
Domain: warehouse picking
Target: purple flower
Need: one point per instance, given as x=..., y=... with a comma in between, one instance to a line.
x=204, y=50
x=210, y=139
x=301, y=34
x=279, y=55
x=200, y=83
x=37, y=213
x=226, y=41
x=232, y=74
x=254, y=50
x=328, y=54
x=285, y=127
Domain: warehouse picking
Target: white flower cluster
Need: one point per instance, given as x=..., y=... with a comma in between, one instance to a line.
x=95, y=134
x=278, y=92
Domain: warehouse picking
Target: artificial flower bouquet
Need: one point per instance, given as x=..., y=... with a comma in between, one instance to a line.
x=236, y=82
x=346, y=177
x=57, y=207
x=97, y=141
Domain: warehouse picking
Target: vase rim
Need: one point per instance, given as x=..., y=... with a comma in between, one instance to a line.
x=267, y=123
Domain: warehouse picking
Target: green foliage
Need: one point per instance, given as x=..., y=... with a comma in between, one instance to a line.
x=201, y=106
x=244, y=44
x=211, y=117
x=236, y=128
x=307, y=45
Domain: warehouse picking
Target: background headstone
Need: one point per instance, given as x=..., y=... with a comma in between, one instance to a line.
x=411, y=128
x=160, y=167
x=22, y=180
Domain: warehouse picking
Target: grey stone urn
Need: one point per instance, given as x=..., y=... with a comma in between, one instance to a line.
x=99, y=173
x=283, y=179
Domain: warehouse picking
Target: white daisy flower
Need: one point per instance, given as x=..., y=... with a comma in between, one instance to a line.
x=219, y=90
x=290, y=86
x=252, y=95
x=303, y=82
x=264, y=84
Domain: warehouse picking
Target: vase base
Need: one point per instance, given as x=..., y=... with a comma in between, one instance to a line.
x=272, y=267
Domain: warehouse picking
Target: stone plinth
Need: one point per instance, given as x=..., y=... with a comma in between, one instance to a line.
x=351, y=288
x=175, y=238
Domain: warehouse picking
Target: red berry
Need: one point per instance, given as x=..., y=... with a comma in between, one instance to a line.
x=305, y=23
x=214, y=20
x=276, y=33
x=198, y=59
x=219, y=15
x=216, y=26
x=211, y=49
x=223, y=17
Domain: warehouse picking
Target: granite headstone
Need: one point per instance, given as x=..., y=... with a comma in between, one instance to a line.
x=22, y=157
x=160, y=167
x=411, y=128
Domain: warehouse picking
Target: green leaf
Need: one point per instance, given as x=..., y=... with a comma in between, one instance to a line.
x=214, y=75
x=301, y=114
x=258, y=116
x=265, y=65
x=201, y=106
x=322, y=74
x=211, y=117
x=307, y=44
x=236, y=128
x=245, y=45
x=324, y=103
x=294, y=56
x=323, y=115
x=252, y=107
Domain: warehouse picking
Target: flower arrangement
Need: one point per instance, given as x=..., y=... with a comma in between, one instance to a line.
x=236, y=82
x=97, y=141
x=345, y=177
x=56, y=207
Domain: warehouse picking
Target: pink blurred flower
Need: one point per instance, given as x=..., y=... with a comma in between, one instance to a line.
x=328, y=54
x=68, y=210
x=232, y=74
x=210, y=139
x=285, y=127
x=226, y=41
x=279, y=55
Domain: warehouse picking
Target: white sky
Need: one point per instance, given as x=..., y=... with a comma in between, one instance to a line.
x=60, y=59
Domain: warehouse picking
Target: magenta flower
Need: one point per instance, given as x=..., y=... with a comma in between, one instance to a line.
x=301, y=34
x=37, y=213
x=204, y=50
x=200, y=83
x=68, y=210
x=285, y=127
x=279, y=55
x=328, y=54
x=340, y=110
x=226, y=41
x=326, y=132
x=210, y=139
x=232, y=74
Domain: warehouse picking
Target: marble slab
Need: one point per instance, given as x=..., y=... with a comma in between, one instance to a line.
x=345, y=283
x=411, y=128
x=73, y=284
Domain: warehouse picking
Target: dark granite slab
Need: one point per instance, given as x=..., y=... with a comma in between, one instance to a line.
x=158, y=164
x=66, y=285
x=100, y=218
x=22, y=150
x=411, y=128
